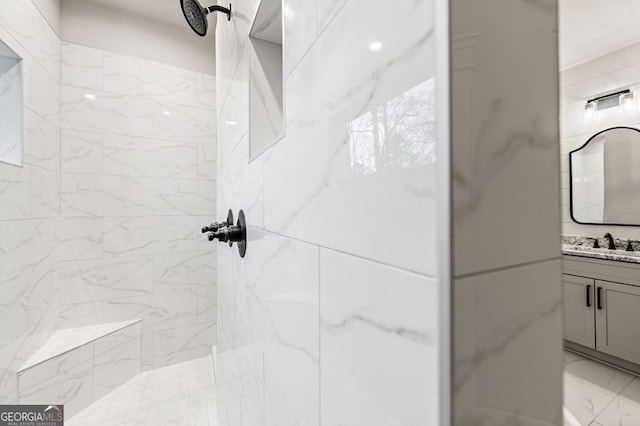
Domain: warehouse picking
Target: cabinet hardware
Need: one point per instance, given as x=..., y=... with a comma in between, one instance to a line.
x=599, y=297
x=589, y=296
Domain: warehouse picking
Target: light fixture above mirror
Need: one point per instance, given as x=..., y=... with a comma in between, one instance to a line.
x=623, y=99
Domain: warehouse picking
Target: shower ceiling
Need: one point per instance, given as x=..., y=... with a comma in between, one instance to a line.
x=164, y=11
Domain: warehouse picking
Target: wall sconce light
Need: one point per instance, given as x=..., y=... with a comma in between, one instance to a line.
x=628, y=103
x=624, y=99
x=591, y=111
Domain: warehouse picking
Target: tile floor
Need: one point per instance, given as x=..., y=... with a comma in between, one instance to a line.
x=182, y=394
x=598, y=395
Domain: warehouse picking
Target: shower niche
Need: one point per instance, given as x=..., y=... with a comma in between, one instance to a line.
x=11, y=106
x=266, y=81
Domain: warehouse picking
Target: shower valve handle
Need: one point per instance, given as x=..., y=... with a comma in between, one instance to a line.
x=227, y=232
x=214, y=227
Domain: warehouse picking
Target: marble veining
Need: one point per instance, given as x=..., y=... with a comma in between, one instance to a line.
x=309, y=327
x=596, y=394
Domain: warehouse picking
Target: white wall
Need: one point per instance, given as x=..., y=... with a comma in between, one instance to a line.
x=332, y=316
x=30, y=197
x=91, y=25
x=137, y=184
x=617, y=70
x=102, y=224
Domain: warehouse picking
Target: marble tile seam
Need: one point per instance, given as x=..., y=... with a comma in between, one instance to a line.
x=356, y=256
x=152, y=98
x=614, y=399
x=327, y=24
x=505, y=268
x=234, y=75
x=135, y=137
x=48, y=120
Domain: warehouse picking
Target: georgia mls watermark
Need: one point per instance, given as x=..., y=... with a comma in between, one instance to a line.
x=31, y=415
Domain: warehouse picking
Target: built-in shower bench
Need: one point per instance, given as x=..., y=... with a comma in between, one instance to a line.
x=77, y=366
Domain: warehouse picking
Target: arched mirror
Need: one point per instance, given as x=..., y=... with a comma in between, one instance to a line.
x=605, y=178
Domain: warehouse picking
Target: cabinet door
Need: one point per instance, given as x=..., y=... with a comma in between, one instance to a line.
x=578, y=310
x=618, y=320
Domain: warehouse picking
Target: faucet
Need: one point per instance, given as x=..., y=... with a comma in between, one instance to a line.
x=612, y=245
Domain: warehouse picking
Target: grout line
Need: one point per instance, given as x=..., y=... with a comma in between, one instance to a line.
x=356, y=256
x=335, y=12
x=93, y=371
x=151, y=98
x=506, y=268
x=320, y=336
x=616, y=396
x=236, y=67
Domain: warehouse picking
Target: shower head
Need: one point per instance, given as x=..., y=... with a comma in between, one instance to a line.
x=196, y=15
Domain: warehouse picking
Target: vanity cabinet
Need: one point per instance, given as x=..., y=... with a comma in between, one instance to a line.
x=578, y=310
x=618, y=320
x=602, y=315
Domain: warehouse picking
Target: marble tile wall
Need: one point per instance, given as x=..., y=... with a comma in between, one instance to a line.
x=101, y=224
x=29, y=197
x=332, y=316
x=616, y=70
x=137, y=163
x=506, y=310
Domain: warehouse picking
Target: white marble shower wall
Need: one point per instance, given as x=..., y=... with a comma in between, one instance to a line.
x=29, y=197
x=137, y=182
x=507, y=299
x=332, y=316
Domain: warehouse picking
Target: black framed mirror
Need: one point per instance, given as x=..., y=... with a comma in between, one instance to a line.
x=604, y=178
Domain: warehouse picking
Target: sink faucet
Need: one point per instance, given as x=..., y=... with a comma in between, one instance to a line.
x=609, y=237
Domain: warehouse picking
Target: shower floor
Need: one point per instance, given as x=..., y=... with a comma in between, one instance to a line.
x=181, y=394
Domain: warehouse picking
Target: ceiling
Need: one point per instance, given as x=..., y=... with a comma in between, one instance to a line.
x=163, y=11
x=592, y=28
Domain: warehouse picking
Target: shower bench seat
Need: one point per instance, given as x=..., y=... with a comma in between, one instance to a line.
x=77, y=366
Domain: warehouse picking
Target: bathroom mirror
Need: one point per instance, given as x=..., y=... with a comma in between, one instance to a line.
x=10, y=106
x=605, y=178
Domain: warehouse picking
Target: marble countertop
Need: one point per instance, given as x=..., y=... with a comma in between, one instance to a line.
x=615, y=255
x=578, y=245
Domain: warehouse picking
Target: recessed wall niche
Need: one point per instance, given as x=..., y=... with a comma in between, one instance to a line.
x=10, y=106
x=266, y=83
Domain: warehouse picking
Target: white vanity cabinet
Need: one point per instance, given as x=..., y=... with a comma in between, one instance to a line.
x=578, y=310
x=618, y=320
x=602, y=308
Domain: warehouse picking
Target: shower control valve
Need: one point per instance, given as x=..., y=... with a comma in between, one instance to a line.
x=227, y=232
x=214, y=227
